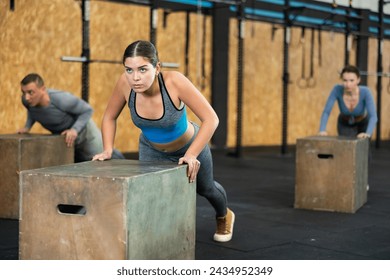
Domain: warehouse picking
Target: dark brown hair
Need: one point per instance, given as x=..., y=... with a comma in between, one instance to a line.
x=32, y=78
x=350, y=69
x=142, y=48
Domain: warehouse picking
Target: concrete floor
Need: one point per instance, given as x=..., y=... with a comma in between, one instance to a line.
x=261, y=186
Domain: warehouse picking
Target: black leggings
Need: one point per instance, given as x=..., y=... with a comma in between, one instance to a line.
x=205, y=184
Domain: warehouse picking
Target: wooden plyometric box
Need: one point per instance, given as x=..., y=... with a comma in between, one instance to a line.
x=22, y=152
x=116, y=209
x=331, y=173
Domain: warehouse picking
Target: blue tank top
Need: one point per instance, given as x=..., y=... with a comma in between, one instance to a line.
x=169, y=127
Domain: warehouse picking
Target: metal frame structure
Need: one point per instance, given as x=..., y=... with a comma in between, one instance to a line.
x=361, y=23
x=308, y=13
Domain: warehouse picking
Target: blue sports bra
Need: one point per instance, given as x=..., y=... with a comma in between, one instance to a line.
x=169, y=127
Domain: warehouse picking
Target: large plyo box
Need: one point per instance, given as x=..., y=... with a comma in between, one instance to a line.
x=22, y=152
x=116, y=209
x=331, y=173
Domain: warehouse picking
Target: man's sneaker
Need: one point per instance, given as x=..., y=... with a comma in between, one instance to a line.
x=225, y=227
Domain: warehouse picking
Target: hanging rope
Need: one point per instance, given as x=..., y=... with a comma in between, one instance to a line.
x=187, y=44
x=203, y=62
x=240, y=66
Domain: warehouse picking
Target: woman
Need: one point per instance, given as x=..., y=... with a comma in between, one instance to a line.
x=357, y=116
x=157, y=101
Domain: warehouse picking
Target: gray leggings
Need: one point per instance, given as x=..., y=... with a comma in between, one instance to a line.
x=89, y=143
x=205, y=184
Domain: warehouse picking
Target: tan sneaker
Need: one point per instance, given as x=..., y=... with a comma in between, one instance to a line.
x=225, y=227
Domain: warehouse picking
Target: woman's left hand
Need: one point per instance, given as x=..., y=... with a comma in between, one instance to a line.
x=193, y=166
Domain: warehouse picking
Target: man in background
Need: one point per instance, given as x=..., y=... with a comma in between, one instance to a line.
x=62, y=113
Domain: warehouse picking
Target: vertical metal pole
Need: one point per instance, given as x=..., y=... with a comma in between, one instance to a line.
x=286, y=76
x=153, y=22
x=85, y=10
x=361, y=55
x=348, y=43
x=220, y=74
x=379, y=77
x=240, y=65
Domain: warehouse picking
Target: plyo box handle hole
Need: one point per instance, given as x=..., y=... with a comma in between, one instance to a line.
x=325, y=156
x=69, y=209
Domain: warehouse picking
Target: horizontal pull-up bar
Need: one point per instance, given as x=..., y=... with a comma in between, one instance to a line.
x=376, y=74
x=84, y=59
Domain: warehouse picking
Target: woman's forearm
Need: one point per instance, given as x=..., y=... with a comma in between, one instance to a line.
x=206, y=131
x=108, y=133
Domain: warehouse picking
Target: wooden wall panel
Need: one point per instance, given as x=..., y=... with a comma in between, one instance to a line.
x=36, y=34
x=262, y=72
x=33, y=37
x=372, y=83
x=263, y=88
x=113, y=27
x=306, y=103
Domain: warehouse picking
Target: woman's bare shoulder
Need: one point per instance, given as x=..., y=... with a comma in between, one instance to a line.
x=171, y=74
x=174, y=78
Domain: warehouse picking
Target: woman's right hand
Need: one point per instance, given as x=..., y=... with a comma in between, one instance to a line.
x=323, y=133
x=102, y=156
x=193, y=166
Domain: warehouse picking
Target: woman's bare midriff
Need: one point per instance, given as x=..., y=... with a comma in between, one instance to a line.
x=178, y=143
